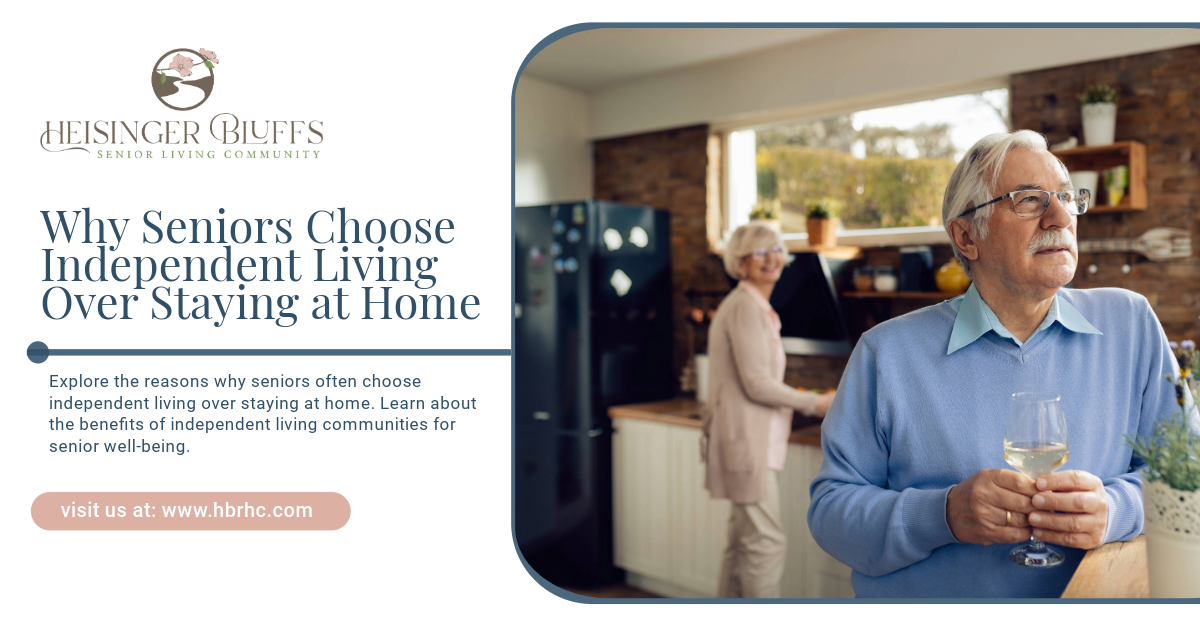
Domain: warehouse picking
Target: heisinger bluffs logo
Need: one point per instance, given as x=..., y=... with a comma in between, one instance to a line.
x=186, y=81
x=182, y=79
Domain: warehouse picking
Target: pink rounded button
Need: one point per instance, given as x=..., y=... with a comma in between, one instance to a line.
x=190, y=511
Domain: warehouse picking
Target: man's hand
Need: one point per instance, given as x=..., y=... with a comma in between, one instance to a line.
x=975, y=507
x=1082, y=505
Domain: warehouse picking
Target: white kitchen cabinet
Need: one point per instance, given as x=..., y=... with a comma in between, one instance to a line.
x=698, y=523
x=669, y=536
x=809, y=571
x=798, y=579
x=641, y=504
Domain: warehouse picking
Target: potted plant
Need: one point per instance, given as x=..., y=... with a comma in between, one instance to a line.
x=1171, y=493
x=1188, y=357
x=1099, y=110
x=768, y=211
x=822, y=222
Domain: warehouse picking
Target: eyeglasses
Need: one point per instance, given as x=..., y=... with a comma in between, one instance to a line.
x=1033, y=203
x=762, y=253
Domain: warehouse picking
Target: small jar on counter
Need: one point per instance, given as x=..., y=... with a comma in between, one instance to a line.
x=885, y=279
x=863, y=279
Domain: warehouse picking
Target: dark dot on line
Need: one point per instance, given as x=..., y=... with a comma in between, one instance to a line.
x=37, y=352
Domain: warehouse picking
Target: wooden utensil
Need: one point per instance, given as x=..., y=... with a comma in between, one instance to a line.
x=1157, y=245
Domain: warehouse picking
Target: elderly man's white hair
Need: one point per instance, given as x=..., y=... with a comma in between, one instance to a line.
x=973, y=181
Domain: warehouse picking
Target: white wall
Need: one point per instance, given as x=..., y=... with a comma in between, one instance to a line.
x=853, y=69
x=553, y=153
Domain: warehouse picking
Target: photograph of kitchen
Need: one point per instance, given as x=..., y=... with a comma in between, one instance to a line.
x=858, y=312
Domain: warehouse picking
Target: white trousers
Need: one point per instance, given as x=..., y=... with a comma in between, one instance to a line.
x=754, y=555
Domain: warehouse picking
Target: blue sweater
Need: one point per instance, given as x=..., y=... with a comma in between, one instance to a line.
x=911, y=420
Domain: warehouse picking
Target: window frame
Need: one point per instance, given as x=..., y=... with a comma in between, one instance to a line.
x=719, y=226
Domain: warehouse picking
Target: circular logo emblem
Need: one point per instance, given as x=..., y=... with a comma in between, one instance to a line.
x=183, y=78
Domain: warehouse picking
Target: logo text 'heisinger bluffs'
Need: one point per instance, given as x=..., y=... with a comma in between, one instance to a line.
x=183, y=79
x=113, y=139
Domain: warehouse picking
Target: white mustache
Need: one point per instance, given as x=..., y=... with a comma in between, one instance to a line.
x=1052, y=238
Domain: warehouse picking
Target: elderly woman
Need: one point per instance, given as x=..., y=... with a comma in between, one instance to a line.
x=749, y=416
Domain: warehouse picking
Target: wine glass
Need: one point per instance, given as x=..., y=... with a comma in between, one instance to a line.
x=1035, y=444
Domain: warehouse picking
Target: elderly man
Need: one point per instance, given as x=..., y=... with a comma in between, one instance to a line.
x=914, y=493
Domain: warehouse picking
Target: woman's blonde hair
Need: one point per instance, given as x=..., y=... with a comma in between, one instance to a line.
x=756, y=234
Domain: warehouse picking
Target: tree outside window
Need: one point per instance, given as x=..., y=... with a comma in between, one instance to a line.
x=889, y=167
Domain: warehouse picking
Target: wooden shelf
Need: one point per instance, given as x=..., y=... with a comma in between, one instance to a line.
x=833, y=252
x=1106, y=149
x=901, y=295
x=1129, y=153
x=879, y=304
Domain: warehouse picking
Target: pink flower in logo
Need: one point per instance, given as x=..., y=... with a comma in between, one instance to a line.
x=183, y=64
x=210, y=55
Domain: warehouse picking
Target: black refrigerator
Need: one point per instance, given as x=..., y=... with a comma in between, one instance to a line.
x=593, y=330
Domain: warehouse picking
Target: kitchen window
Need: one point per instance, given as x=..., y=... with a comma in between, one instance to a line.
x=887, y=167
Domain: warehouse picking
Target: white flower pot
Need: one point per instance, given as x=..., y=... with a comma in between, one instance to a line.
x=1172, y=540
x=1099, y=123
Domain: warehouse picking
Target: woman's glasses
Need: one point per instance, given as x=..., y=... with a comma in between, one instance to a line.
x=763, y=252
x=1034, y=203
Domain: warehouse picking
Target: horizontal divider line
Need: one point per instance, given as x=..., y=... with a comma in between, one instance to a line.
x=279, y=352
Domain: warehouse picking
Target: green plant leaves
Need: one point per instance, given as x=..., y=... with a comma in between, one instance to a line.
x=767, y=209
x=1098, y=94
x=162, y=78
x=823, y=209
x=1172, y=454
x=208, y=64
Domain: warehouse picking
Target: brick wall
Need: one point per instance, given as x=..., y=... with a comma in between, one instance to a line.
x=667, y=170
x=1160, y=107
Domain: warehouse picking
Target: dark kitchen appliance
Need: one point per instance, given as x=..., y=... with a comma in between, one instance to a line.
x=810, y=312
x=593, y=329
x=916, y=269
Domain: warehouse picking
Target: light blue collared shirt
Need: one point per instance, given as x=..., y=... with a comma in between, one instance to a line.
x=975, y=318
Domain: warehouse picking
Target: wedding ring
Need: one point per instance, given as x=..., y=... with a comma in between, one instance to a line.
x=1007, y=518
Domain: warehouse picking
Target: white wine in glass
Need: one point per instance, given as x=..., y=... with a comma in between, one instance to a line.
x=1035, y=443
x=1035, y=460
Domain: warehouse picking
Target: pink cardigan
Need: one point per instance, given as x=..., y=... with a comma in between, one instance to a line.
x=744, y=395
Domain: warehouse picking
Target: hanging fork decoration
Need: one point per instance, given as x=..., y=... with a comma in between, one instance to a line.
x=1160, y=244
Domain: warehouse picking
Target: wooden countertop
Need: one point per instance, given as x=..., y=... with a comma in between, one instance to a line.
x=1116, y=570
x=686, y=413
